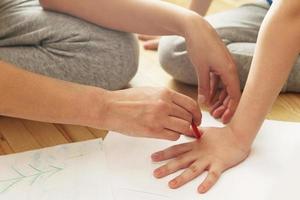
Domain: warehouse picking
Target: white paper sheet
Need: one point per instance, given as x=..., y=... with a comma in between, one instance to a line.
x=66, y=172
x=270, y=173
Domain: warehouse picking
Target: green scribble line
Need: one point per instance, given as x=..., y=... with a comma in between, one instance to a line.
x=58, y=169
x=17, y=171
x=11, y=185
x=35, y=168
x=35, y=176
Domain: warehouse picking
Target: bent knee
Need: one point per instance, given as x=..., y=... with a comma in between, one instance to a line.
x=174, y=59
x=115, y=57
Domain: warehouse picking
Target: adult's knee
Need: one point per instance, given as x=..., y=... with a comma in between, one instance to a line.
x=115, y=60
x=96, y=55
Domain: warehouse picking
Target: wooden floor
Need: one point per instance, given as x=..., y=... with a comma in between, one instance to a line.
x=18, y=135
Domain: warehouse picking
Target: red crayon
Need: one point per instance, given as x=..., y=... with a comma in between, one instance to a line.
x=196, y=132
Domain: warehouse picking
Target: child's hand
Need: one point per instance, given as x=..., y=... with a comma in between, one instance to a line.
x=150, y=42
x=217, y=151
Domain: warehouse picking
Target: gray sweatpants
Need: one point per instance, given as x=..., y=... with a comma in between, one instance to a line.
x=65, y=47
x=239, y=30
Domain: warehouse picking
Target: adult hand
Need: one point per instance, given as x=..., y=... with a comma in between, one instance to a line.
x=214, y=66
x=150, y=112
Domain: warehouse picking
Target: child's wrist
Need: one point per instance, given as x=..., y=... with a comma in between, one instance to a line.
x=244, y=138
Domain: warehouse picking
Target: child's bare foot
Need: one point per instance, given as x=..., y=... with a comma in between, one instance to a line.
x=150, y=42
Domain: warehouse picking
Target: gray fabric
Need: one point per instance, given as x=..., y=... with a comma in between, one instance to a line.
x=65, y=47
x=239, y=30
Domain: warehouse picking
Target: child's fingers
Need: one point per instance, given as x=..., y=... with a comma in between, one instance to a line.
x=147, y=37
x=213, y=176
x=171, y=152
x=189, y=174
x=178, y=163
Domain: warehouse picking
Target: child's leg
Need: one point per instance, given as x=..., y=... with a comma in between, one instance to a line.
x=239, y=29
x=65, y=47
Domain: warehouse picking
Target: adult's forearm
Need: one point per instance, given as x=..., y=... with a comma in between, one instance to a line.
x=277, y=50
x=138, y=16
x=32, y=96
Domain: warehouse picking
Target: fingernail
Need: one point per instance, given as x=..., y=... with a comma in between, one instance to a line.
x=201, y=189
x=155, y=156
x=157, y=173
x=201, y=99
x=173, y=183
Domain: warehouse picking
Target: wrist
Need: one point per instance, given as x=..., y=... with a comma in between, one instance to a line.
x=94, y=107
x=243, y=137
x=194, y=23
x=187, y=22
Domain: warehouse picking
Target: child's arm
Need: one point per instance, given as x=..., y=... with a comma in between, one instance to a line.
x=206, y=50
x=278, y=49
x=223, y=148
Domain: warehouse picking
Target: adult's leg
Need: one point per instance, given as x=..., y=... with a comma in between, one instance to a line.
x=239, y=30
x=65, y=47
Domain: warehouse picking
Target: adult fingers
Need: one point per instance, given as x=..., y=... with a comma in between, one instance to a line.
x=230, y=80
x=221, y=99
x=181, y=113
x=222, y=108
x=214, y=81
x=171, y=152
x=203, y=84
x=189, y=105
x=178, y=125
x=167, y=134
x=228, y=113
x=193, y=171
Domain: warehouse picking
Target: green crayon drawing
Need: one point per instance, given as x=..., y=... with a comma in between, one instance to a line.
x=7, y=184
